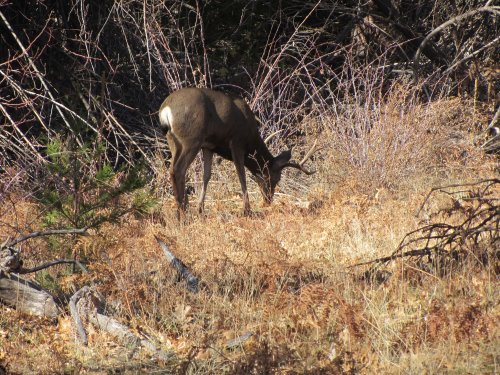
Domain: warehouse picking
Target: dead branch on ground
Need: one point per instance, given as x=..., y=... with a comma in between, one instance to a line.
x=87, y=305
x=26, y=295
x=471, y=230
x=182, y=269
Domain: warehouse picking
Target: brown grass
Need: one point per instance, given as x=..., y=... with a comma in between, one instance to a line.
x=283, y=274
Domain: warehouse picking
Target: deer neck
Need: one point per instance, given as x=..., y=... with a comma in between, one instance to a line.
x=259, y=160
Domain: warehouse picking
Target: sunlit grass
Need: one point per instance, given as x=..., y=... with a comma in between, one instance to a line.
x=283, y=275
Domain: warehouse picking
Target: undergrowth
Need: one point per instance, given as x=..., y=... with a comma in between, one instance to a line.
x=284, y=274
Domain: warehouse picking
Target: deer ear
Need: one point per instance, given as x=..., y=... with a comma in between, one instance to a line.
x=282, y=159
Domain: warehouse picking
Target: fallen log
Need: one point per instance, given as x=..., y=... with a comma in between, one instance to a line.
x=23, y=294
x=80, y=329
x=26, y=296
x=87, y=305
x=182, y=269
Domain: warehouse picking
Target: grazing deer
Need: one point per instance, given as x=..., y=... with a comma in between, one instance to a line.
x=195, y=119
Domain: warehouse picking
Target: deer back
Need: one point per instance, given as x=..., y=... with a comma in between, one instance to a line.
x=200, y=117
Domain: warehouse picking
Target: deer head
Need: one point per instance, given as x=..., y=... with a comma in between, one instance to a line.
x=268, y=178
x=195, y=119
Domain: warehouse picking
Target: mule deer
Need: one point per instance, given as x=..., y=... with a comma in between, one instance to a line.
x=195, y=119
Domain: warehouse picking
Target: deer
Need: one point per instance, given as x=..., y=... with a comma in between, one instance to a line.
x=194, y=119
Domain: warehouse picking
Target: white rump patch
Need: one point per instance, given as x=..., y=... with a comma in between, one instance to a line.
x=166, y=117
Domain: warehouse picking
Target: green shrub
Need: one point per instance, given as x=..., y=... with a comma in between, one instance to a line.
x=83, y=190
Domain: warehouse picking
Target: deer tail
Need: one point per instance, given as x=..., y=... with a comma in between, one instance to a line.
x=166, y=119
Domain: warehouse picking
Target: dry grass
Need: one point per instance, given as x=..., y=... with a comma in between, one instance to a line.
x=283, y=274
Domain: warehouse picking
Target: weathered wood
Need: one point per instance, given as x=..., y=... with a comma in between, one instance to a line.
x=239, y=340
x=126, y=337
x=82, y=335
x=10, y=259
x=87, y=305
x=184, y=272
x=26, y=296
x=115, y=328
x=23, y=294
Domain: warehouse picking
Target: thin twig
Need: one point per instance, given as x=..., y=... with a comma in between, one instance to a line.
x=37, y=72
x=472, y=55
x=440, y=188
x=411, y=253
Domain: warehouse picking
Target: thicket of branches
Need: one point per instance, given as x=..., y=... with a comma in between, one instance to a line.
x=100, y=69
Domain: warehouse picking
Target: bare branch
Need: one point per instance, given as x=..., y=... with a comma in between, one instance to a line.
x=37, y=72
x=441, y=188
x=81, y=231
x=473, y=54
x=444, y=241
x=454, y=20
x=51, y=264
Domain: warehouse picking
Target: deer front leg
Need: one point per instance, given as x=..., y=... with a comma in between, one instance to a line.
x=207, y=173
x=239, y=162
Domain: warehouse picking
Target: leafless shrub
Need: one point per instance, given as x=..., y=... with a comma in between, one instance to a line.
x=100, y=73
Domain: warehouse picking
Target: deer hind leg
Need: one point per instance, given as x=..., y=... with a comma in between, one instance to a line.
x=180, y=168
x=175, y=149
x=181, y=160
x=239, y=162
x=207, y=173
